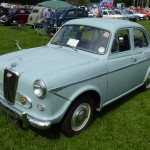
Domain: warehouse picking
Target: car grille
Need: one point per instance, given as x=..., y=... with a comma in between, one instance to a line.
x=10, y=85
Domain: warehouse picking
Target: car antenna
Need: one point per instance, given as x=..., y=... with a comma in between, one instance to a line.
x=17, y=44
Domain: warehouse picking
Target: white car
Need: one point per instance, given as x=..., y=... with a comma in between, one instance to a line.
x=35, y=15
x=142, y=16
x=112, y=14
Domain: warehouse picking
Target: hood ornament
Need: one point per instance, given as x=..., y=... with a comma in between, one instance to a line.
x=9, y=75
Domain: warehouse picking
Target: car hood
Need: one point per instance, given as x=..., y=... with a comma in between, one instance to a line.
x=51, y=64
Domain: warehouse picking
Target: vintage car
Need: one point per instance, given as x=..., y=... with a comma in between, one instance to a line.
x=35, y=15
x=4, y=11
x=88, y=64
x=112, y=14
x=142, y=16
x=61, y=17
x=131, y=17
x=16, y=15
x=144, y=12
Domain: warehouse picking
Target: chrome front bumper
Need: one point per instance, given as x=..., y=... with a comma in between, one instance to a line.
x=27, y=120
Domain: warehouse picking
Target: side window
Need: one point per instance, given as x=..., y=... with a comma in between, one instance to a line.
x=71, y=14
x=139, y=39
x=81, y=13
x=121, y=41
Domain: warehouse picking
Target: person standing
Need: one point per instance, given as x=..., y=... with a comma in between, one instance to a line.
x=47, y=18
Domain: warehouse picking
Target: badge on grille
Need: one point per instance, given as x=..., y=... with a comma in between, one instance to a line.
x=9, y=75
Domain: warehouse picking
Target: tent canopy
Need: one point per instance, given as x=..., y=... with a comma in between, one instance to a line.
x=55, y=4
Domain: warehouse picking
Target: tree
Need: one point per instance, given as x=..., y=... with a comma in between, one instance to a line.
x=127, y=2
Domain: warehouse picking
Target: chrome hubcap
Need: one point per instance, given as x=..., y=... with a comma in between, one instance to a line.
x=80, y=116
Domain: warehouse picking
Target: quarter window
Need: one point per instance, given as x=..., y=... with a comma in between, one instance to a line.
x=139, y=39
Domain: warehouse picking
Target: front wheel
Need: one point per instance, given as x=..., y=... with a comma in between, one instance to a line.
x=79, y=116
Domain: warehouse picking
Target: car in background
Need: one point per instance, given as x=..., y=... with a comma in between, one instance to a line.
x=15, y=15
x=130, y=17
x=88, y=64
x=142, y=16
x=4, y=11
x=145, y=12
x=59, y=17
x=62, y=16
x=36, y=15
x=112, y=14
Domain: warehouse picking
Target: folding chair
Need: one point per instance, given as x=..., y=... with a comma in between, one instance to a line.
x=18, y=24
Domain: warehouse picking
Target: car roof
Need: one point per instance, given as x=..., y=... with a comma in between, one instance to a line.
x=104, y=23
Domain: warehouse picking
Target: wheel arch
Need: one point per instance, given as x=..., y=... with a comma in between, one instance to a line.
x=92, y=93
x=146, y=82
x=147, y=74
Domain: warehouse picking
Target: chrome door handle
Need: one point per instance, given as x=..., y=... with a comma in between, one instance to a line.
x=133, y=59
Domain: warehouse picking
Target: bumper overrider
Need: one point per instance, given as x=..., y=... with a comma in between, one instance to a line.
x=27, y=120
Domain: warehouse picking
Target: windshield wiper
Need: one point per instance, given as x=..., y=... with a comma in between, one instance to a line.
x=70, y=46
x=58, y=43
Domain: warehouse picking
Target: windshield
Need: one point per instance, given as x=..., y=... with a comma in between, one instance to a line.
x=133, y=12
x=81, y=37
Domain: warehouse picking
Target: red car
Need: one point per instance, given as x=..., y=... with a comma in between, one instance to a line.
x=15, y=14
x=136, y=8
x=144, y=12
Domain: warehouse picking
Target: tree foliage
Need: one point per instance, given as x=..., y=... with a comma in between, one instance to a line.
x=30, y=2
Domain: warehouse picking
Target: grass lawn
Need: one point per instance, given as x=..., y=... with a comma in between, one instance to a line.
x=123, y=125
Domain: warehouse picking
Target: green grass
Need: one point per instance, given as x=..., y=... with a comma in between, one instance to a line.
x=123, y=125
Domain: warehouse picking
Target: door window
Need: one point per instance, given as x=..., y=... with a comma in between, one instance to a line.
x=121, y=41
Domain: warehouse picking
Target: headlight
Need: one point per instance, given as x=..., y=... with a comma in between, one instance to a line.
x=39, y=88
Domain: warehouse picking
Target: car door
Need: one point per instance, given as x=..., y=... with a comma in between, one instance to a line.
x=142, y=54
x=121, y=62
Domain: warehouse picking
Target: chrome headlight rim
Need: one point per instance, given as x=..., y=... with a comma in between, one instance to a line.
x=39, y=88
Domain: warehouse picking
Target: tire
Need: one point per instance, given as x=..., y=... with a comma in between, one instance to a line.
x=146, y=18
x=79, y=116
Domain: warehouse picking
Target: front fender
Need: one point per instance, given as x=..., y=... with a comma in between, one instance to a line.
x=71, y=92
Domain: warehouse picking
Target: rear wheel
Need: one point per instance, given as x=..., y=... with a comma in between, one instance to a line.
x=79, y=116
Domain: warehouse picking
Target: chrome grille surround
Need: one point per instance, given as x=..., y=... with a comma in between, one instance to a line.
x=10, y=82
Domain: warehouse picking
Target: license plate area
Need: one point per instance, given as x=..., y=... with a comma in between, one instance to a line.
x=9, y=114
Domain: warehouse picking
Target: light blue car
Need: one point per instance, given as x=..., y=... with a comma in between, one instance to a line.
x=88, y=64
